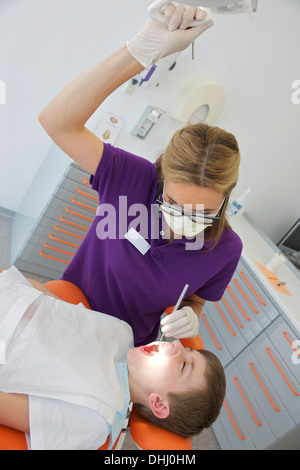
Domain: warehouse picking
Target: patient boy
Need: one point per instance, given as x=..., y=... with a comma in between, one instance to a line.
x=68, y=373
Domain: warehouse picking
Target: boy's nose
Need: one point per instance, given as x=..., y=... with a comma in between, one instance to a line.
x=178, y=348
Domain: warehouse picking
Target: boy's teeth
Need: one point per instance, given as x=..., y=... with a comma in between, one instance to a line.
x=154, y=348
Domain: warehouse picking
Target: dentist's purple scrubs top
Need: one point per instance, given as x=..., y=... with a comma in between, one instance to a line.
x=120, y=281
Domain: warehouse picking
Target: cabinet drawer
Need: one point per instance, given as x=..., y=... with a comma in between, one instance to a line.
x=77, y=200
x=227, y=329
x=248, y=324
x=77, y=175
x=61, y=230
x=264, y=394
x=54, y=244
x=31, y=253
x=48, y=229
x=259, y=320
x=254, y=291
x=212, y=341
x=283, y=337
x=279, y=375
x=53, y=249
x=68, y=219
x=80, y=188
x=71, y=208
x=230, y=430
x=247, y=409
x=221, y=434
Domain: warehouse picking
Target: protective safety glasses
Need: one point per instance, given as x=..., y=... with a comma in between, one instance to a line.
x=197, y=217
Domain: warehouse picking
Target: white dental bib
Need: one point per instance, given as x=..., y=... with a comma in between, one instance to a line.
x=61, y=351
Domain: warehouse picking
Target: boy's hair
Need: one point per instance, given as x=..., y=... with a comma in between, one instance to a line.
x=194, y=410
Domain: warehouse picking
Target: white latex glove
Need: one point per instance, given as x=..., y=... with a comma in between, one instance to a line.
x=181, y=16
x=157, y=40
x=183, y=323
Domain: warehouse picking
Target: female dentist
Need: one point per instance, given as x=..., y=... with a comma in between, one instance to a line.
x=188, y=187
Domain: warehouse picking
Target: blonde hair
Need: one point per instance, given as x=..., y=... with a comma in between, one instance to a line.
x=204, y=156
x=194, y=410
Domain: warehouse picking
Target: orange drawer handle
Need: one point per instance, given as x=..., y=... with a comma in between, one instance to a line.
x=71, y=223
x=51, y=257
x=243, y=293
x=68, y=233
x=246, y=401
x=236, y=301
x=263, y=387
x=238, y=323
x=220, y=312
x=77, y=215
x=203, y=318
x=233, y=422
x=83, y=205
x=282, y=374
x=56, y=249
x=87, y=195
x=290, y=342
x=253, y=290
x=62, y=241
x=85, y=181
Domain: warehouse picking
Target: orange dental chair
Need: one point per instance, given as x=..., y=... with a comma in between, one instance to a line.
x=146, y=435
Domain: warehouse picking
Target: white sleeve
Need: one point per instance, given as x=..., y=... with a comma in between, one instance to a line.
x=58, y=425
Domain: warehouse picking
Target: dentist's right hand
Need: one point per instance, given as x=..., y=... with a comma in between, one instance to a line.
x=157, y=40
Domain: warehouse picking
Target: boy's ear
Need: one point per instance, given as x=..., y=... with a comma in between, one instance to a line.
x=160, y=408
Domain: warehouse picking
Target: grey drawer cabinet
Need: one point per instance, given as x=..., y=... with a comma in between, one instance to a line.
x=58, y=231
x=253, y=339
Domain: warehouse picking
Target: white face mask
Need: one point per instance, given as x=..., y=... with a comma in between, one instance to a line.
x=184, y=226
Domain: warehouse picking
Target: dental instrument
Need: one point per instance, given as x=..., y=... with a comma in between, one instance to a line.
x=177, y=304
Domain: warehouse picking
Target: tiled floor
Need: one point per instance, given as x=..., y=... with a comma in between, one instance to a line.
x=205, y=441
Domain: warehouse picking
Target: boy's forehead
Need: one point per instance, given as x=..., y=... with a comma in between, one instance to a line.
x=199, y=366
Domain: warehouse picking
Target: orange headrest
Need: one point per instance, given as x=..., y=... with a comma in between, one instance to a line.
x=68, y=292
x=147, y=436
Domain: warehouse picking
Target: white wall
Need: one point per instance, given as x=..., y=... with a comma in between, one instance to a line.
x=44, y=44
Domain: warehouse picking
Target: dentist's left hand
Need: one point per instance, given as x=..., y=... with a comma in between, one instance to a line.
x=157, y=40
x=183, y=323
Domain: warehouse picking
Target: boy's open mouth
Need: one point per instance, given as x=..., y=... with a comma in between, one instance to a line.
x=150, y=350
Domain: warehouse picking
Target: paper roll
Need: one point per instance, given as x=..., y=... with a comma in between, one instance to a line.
x=196, y=94
x=276, y=261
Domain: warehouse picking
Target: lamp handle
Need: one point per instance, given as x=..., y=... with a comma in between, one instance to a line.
x=154, y=11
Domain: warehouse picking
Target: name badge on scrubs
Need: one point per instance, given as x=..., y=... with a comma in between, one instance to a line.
x=137, y=241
